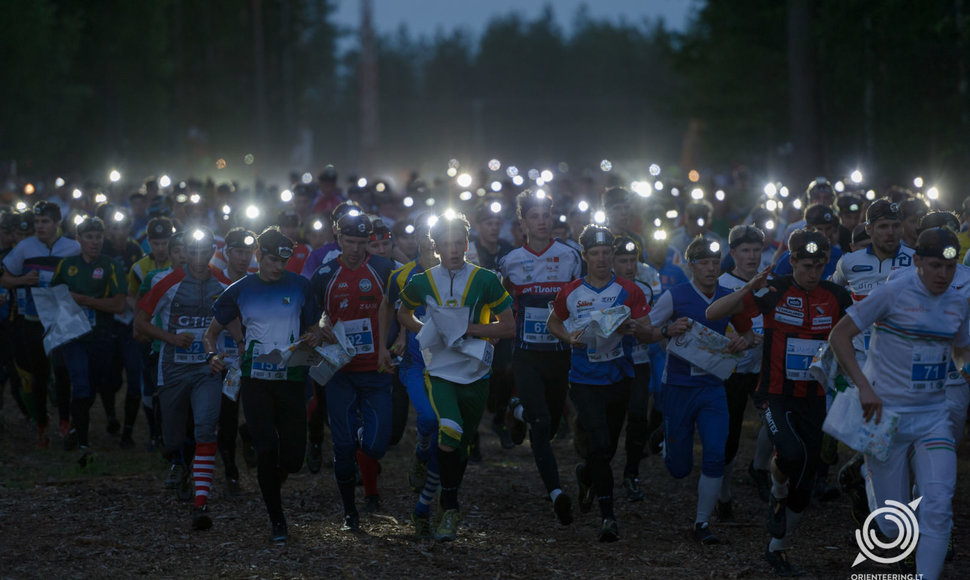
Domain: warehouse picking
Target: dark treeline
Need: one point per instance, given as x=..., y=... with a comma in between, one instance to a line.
x=174, y=84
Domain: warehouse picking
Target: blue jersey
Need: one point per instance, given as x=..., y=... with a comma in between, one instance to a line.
x=685, y=300
x=411, y=357
x=274, y=315
x=671, y=274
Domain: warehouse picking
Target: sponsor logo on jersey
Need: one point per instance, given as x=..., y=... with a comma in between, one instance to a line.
x=584, y=303
x=286, y=300
x=98, y=273
x=822, y=321
x=861, y=268
x=341, y=286
x=364, y=285
x=794, y=301
x=186, y=321
x=343, y=303
x=323, y=270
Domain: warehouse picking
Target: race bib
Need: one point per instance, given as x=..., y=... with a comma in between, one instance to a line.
x=929, y=368
x=641, y=354
x=195, y=354
x=360, y=334
x=534, y=328
x=263, y=369
x=227, y=347
x=798, y=357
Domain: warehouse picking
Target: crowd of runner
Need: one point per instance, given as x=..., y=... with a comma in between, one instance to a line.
x=569, y=311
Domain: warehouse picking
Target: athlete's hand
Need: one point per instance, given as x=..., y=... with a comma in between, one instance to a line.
x=183, y=340
x=871, y=404
x=384, y=362
x=629, y=327
x=31, y=278
x=311, y=339
x=760, y=280
x=575, y=338
x=216, y=364
x=678, y=327
x=398, y=347
x=737, y=344
x=80, y=299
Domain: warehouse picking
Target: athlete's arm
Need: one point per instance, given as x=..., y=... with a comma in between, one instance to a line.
x=115, y=304
x=144, y=326
x=405, y=316
x=29, y=279
x=557, y=328
x=504, y=327
x=841, y=340
x=733, y=303
x=384, y=362
x=211, y=338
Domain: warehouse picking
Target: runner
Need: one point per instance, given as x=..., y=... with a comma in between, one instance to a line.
x=458, y=401
x=95, y=284
x=799, y=312
x=691, y=395
x=275, y=307
x=183, y=302
x=535, y=273
x=351, y=289
x=30, y=264
x=599, y=373
x=916, y=326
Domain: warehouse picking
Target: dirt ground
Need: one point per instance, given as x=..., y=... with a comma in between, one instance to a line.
x=114, y=518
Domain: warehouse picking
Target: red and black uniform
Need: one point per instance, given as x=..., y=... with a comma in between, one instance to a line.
x=796, y=324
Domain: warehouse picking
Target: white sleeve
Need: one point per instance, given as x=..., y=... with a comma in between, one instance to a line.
x=874, y=307
x=662, y=310
x=838, y=277
x=13, y=262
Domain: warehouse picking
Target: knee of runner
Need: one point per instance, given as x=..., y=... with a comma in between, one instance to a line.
x=713, y=468
x=678, y=469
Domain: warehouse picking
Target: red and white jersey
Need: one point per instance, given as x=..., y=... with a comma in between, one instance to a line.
x=536, y=278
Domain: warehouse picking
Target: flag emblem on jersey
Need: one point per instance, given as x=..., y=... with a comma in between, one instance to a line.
x=364, y=285
x=286, y=300
x=72, y=271
x=98, y=273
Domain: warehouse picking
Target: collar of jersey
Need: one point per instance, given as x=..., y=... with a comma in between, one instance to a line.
x=544, y=250
x=899, y=250
x=598, y=290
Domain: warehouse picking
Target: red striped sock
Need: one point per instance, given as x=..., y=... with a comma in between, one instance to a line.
x=202, y=469
x=368, y=472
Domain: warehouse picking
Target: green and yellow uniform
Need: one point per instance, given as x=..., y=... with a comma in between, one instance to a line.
x=100, y=278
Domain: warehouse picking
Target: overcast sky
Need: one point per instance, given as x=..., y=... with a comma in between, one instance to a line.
x=424, y=17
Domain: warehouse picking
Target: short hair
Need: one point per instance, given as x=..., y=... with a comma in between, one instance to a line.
x=595, y=235
x=745, y=235
x=445, y=225
x=804, y=244
x=529, y=199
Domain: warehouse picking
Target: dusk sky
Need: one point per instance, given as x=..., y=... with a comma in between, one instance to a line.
x=424, y=17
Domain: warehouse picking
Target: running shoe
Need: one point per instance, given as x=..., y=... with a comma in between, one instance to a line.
x=422, y=527
x=200, y=518
x=504, y=436
x=372, y=504
x=351, y=522
x=174, y=476
x=417, y=474
x=776, y=522
x=725, y=512
x=632, y=486
x=781, y=564
x=71, y=441
x=585, y=488
x=279, y=533
x=517, y=428
x=704, y=534
x=563, y=506
x=314, y=457
x=609, y=531
x=762, y=481
x=448, y=528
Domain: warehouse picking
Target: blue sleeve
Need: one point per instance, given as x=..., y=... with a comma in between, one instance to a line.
x=783, y=266
x=226, y=308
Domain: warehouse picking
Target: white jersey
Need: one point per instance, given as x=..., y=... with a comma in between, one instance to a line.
x=913, y=334
x=750, y=361
x=648, y=278
x=862, y=271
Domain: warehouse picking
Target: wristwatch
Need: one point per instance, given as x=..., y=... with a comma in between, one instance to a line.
x=663, y=331
x=210, y=355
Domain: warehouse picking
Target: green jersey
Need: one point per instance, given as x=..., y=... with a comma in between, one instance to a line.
x=100, y=278
x=471, y=286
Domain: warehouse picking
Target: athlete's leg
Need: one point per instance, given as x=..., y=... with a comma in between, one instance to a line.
x=713, y=420
x=638, y=421
x=343, y=406
x=206, y=402
x=680, y=414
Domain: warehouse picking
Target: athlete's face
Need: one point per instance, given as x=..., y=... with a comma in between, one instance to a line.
x=159, y=248
x=537, y=222
x=45, y=228
x=910, y=229
x=488, y=230
x=618, y=216
x=408, y=244
x=176, y=255
x=7, y=238
x=381, y=248
x=424, y=244
x=705, y=272
x=625, y=266
x=747, y=257
x=198, y=257
x=91, y=244
x=239, y=259
x=599, y=261
x=936, y=273
x=451, y=247
x=353, y=248
x=807, y=272
x=271, y=266
x=884, y=234
x=830, y=231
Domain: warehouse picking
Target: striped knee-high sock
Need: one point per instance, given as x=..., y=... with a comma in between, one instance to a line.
x=202, y=469
x=431, y=485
